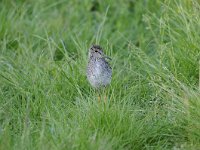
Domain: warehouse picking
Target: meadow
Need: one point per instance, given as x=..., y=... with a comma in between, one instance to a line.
x=153, y=101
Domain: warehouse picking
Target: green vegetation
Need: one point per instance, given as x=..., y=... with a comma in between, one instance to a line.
x=46, y=101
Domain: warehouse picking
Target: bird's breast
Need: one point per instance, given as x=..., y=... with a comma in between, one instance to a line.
x=99, y=73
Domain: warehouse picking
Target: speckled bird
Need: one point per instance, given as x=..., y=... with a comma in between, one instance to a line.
x=99, y=72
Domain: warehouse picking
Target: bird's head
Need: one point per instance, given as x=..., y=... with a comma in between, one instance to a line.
x=97, y=52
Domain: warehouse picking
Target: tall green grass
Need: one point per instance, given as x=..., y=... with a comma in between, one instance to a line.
x=153, y=101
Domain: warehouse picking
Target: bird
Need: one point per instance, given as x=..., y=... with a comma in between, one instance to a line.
x=99, y=72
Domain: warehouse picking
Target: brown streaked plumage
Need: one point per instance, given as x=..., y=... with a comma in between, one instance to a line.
x=99, y=72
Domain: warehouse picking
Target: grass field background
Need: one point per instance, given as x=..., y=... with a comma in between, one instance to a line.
x=154, y=98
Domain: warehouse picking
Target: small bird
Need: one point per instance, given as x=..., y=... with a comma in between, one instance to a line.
x=99, y=72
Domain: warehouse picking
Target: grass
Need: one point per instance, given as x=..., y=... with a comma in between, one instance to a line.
x=46, y=101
